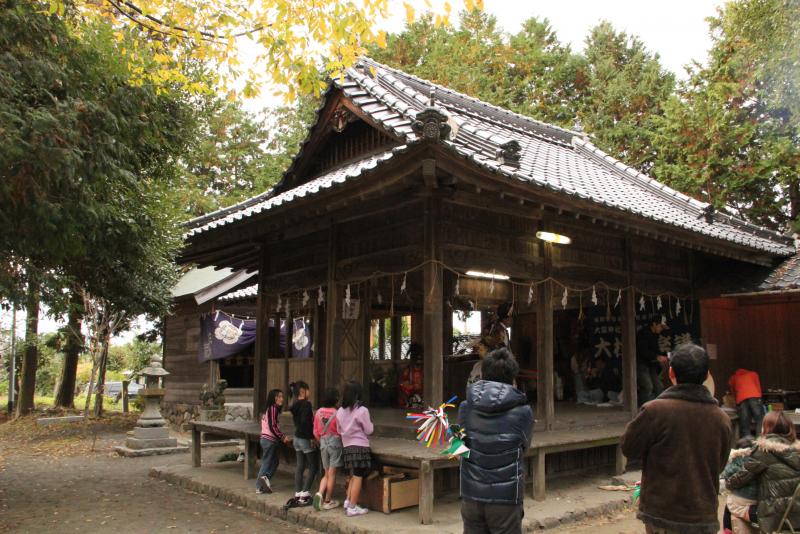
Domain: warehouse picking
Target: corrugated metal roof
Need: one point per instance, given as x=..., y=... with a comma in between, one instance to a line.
x=548, y=156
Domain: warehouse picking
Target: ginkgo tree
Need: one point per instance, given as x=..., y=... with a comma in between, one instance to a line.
x=250, y=42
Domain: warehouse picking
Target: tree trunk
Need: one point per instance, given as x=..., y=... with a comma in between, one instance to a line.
x=30, y=359
x=101, y=376
x=65, y=394
x=90, y=388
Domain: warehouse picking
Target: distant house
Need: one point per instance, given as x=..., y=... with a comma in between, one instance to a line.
x=755, y=324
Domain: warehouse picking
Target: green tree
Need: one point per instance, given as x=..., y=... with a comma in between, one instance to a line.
x=234, y=154
x=730, y=135
x=626, y=89
x=87, y=166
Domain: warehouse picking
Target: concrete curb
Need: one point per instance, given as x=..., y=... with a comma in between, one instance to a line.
x=338, y=523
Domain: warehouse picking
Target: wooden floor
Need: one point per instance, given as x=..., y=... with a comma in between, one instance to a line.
x=392, y=422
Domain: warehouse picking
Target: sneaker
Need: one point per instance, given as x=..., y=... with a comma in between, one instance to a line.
x=356, y=510
x=240, y=458
x=260, y=491
x=267, y=487
x=330, y=505
x=317, y=501
x=305, y=494
x=346, y=504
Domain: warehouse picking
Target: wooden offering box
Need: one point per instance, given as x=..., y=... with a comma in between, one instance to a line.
x=395, y=489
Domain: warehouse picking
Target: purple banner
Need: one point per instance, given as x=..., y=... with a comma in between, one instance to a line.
x=222, y=335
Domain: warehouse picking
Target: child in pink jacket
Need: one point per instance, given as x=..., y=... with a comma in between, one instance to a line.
x=326, y=432
x=354, y=425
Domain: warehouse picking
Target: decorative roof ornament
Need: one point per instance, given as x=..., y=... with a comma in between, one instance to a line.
x=708, y=214
x=431, y=122
x=341, y=118
x=509, y=153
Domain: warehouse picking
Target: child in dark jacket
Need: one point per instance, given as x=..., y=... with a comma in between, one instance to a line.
x=498, y=422
x=303, y=416
x=736, y=517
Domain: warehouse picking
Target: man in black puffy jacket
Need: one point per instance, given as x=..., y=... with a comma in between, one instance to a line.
x=499, y=424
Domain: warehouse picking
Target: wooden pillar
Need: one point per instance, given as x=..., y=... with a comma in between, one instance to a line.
x=432, y=306
x=319, y=388
x=545, y=394
x=366, y=320
x=447, y=325
x=628, y=324
x=332, y=362
x=287, y=353
x=397, y=338
x=381, y=339
x=261, y=349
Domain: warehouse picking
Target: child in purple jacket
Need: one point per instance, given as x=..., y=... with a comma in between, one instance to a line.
x=355, y=426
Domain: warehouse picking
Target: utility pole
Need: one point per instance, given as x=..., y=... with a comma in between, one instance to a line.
x=12, y=381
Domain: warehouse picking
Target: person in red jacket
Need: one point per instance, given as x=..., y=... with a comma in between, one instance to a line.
x=746, y=387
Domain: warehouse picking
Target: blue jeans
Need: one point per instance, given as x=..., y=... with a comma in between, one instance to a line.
x=750, y=411
x=269, y=460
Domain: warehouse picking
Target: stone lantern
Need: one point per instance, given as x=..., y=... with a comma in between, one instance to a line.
x=151, y=435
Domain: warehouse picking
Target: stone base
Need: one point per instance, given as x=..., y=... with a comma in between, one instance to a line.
x=156, y=451
x=46, y=421
x=212, y=415
x=138, y=444
x=150, y=432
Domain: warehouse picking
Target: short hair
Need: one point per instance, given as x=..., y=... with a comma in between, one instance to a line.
x=272, y=396
x=776, y=422
x=500, y=366
x=689, y=362
x=353, y=392
x=330, y=397
x=504, y=310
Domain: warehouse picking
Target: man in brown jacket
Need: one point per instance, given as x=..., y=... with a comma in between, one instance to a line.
x=683, y=439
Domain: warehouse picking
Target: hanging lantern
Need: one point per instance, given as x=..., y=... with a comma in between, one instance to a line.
x=594, y=295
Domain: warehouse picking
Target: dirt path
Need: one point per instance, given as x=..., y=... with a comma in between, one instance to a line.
x=42, y=491
x=68, y=480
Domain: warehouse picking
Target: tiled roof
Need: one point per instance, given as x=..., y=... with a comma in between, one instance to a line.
x=244, y=293
x=513, y=146
x=786, y=276
x=267, y=201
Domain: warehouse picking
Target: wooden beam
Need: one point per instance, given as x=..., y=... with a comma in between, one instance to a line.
x=287, y=353
x=331, y=360
x=628, y=324
x=262, y=343
x=432, y=306
x=366, y=319
x=545, y=406
x=381, y=339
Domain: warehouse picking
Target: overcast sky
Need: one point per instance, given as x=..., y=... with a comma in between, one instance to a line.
x=676, y=30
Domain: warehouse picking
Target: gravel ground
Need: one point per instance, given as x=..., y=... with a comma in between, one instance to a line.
x=101, y=492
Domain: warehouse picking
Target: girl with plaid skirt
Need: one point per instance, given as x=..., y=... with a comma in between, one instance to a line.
x=355, y=426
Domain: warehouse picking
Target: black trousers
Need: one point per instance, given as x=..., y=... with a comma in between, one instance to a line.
x=483, y=518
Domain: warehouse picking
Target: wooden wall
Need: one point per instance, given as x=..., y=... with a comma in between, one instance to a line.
x=755, y=332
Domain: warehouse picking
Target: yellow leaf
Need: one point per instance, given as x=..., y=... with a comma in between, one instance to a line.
x=409, y=12
x=382, y=39
x=469, y=5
